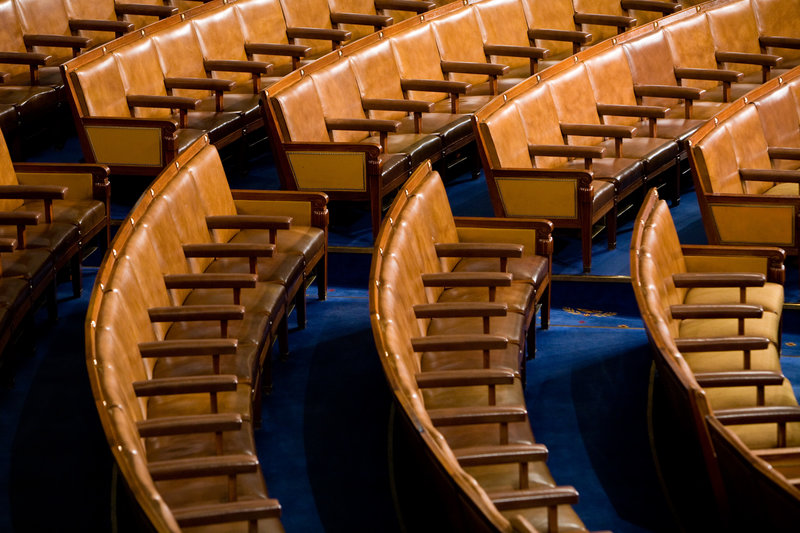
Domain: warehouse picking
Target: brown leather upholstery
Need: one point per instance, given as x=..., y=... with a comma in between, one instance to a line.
x=155, y=371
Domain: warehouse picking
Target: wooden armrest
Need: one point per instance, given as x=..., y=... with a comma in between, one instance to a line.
x=515, y=51
x=24, y=58
x=494, y=455
x=600, y=19
x=179, y=425
x=211, y=280
x=216, y=513
x=185, y=385
x=436, y=86
x=277, y=49
x=58, y=41
x=416, y=6
x=711, y=74
x=546, y=34
x=188, y=347
x=8, y=244
x=467, y=279
x=195, y=313
x=466, y=378
x=270, y=222
x=229, y=65
x=470, y=67
x=362, y=19
x=644, y=111
x=784, y=152
x=460, y=309
x=19, y=218
x=145, y=10
x=362, y=124
x=777, y=41
x=721, y=344
x=323, y=34
x=460, y=416
x=651, y=5
x=229, y=249
x=203, y=84
x=685, y=311
x=668, y=91
x=758, y=415
x=167, y=102
x=719, y=279
x=765, y=60
x=218, y=465
x=741, y=378
x=770, y=174
x=478, y=249
x=33, y=192
x=598, y=130
x=566, y=150
x=396, y=104
x=458, y=343
x=540, y=497
x=118, y=27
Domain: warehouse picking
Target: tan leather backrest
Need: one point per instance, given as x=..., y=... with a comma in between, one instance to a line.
x=309, y=14
x=779, y=119
x=100, y=87
x=378, y=76
x=365, y=7
x=749, y=145
x=7, y=175
x=574, y=99
x=553, y=14
x=504, y=135
x=692, y=46
x=778, y=17
x=716, y=163
x=432, y=196
x=300, y=114
x=11, y=35
x=262, y=22
x=48, y=17
x=340, y=97
x=92, y=10
x=540, y=122
x=650, y=60
x=612, y=82
x=602, y=7
x=181, y=57
x=458, y=37
x=734, y=29
x=417, y=57
x=221, y=37
x=141, y=74
x=213, y=190
x=503, y=22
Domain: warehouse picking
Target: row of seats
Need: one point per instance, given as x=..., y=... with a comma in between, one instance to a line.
x=713, y=315
x=450, y=302
x=571, y=143
x=142, y=99
x=180, y=326
x=50, y=214
x=746, y=168
x=38, y=37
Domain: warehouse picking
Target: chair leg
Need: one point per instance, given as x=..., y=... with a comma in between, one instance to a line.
x=300, y=307
x=611, y=228
x=546, y=309
x=322, y=278
x=75, y=273
x=52, y=301
x=283, y=338
x=586, y=243
x=530, y=340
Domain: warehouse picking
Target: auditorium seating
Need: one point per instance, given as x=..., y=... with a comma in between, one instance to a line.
x=712, y=314
x=448, y=326
x=184, y=312
x=744, y=164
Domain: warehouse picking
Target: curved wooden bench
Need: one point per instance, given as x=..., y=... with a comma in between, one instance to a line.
x=745, y=168
x=185, y=309
x=546, y=145
x=447, y=327
x=719, y=377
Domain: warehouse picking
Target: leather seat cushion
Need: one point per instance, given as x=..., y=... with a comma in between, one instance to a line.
x=252, y=328
x=507, y=358
x=760, y=436
x=417, y=147
x=736, y=397
x=518, y=296
x=770, y=296
x=31, y=103
x=242, y=364
x=13, y=291
x=237, y=401
x=679, y=129
x=393, y=166
x=186, y=137
x=84, y=214
x=466, y=104
x=265, y=298
x=509, y=326
x=701, y=110
x=766, y=359
x=784, y=189
x=568, y=519
x=444, y=397
x=33, y=264
x=452, y=129
x=217, y=125
x=8, y=120
x=308, y=241
x=486, y=434
x=200, y=444
x=56, y=237
x=284, y=269
x=243, y=104
x=195, y=491
x=531, y=269
x=767, y=326
x=503, y=477
x=654, y=152
x=622, y=172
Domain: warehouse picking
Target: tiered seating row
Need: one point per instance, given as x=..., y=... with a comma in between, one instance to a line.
x=156, y=91
x=450, y=301
x=746, y=168
x=713, y=317
x=186, y=306
x=49, y=213
x=571, y=143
